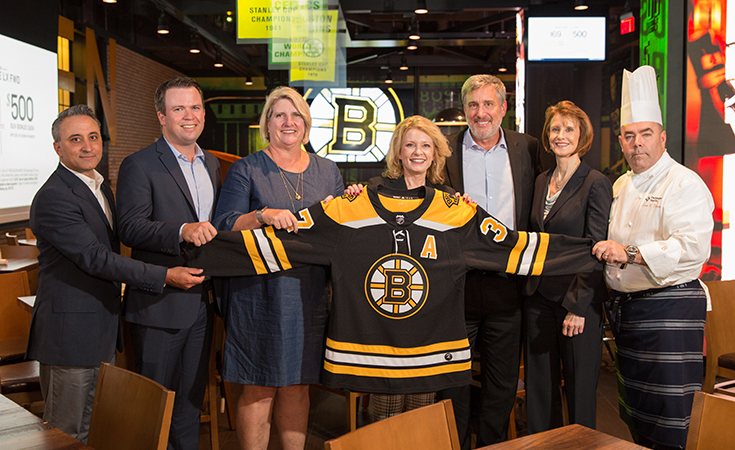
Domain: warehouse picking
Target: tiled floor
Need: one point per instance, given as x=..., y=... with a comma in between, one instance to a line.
x=327, y=418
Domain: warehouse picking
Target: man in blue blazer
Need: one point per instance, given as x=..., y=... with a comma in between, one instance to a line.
x=166, y=197
x=497, y=168
x=76, y=317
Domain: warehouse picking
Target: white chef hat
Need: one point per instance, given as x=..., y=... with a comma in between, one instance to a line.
x=640, y=97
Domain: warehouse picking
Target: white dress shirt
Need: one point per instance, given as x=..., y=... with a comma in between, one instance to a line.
x=95, y=185
x=666, y=212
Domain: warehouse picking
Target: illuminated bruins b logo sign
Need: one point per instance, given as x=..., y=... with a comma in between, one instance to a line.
x=354, y=124
x=397, y=286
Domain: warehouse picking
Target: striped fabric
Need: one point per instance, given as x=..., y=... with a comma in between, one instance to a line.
x=659, y=358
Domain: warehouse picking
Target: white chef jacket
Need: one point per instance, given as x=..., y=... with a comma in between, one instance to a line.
x=666, y=212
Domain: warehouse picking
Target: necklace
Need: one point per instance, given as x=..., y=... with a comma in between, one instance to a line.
x=298, y=191
x=561, y=182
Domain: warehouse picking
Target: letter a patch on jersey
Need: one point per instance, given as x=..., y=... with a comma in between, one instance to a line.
x=429, y=250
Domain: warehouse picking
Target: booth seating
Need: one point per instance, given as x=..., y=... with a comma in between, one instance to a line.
x=130, y=411
x=720, y=333
x=430, y=427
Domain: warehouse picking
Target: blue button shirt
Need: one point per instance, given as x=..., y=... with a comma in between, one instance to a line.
x=488, y=178
x=200, y=183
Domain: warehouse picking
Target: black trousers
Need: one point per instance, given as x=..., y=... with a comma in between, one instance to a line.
x=546, y=351
x=179, y=360
x=493, y=320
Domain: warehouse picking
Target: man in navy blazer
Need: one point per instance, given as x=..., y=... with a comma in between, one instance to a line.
x=497, y=168
x=76, y=317
x=166, y=197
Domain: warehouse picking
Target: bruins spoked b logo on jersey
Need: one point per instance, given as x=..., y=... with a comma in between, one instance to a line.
x=396, y=286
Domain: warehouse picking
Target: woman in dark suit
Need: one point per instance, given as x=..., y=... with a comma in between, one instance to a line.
x=563, y=314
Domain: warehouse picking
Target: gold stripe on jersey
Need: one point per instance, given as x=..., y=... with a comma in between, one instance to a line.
x=354, y=212
x=515, y=254
x=437, y=212
x=397, y=373
x=389, y=350
x=278, y=247
x=543, y=247
x=252, y=248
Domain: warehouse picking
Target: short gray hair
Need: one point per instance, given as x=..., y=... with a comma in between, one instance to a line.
x=76, y=110
x=477, y=81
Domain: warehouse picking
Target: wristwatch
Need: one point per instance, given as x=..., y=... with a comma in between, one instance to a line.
x=259, y=215
x=632, y=252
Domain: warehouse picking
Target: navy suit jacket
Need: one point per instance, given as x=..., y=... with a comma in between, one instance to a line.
x=76, y=316
x=525, y=164
x=153, y=202
x=581, y=210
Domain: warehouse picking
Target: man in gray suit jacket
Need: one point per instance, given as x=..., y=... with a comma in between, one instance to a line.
x=76, y=317
x=166, y=195
x=497, y=168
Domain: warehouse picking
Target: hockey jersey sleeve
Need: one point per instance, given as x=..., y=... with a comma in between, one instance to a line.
x=524, y=253
x=267, y=250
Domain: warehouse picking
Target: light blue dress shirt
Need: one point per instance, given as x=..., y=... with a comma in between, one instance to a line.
x=200, y=183
x=488, y=178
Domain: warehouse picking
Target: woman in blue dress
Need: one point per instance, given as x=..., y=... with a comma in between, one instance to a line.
x=276, y=323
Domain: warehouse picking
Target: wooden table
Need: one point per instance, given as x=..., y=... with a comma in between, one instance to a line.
x=570, y=437
x=19, y=429
x=32, y=242
x=27, y=303
x=19, y=265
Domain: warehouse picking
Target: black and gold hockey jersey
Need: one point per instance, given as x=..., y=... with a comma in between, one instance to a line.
x=398, y=262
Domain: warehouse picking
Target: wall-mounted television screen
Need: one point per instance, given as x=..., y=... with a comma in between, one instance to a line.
x=566, y=38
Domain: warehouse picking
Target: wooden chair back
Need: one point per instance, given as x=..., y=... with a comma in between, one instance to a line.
x=14, y=321
x=719, y=331
x=431, y=427
x=710, y=427
x=29, y=234
x=129, y=411
x=11, y=238
x=19, y=251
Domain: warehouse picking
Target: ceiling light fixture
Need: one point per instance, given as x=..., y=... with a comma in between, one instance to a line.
x=413, y=32
x=218, y=58
x=163, y=27
x=404, y=64
x=109, y=1
x=249, y=81
x=412, y=46
x=194, y=48
x=421, y=7
x=580, y=5
x=388, y=77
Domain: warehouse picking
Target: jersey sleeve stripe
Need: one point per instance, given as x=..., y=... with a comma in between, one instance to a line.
x=515, y=254
x=252, y=248
x=265, y=249
x=278, y=247
x=388, y=350
x=528, y=253
x=543, y=247
x=396, y=373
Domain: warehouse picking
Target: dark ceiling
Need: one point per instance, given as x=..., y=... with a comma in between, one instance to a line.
x=457, y=36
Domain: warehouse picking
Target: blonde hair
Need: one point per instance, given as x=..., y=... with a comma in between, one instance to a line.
x=299, y=103
x=435, y=174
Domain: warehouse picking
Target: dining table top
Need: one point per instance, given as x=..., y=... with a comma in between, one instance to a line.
x=570, y=437
x=22, y=430
x=19, y=265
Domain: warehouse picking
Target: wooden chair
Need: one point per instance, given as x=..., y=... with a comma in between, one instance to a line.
x=129, y=411
x=720, y=333
x=351, y=400
x=14, y=321
x=431, y=427
x=12, y=239
x=710, y=427
x=23, y=252
x=29, y=234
